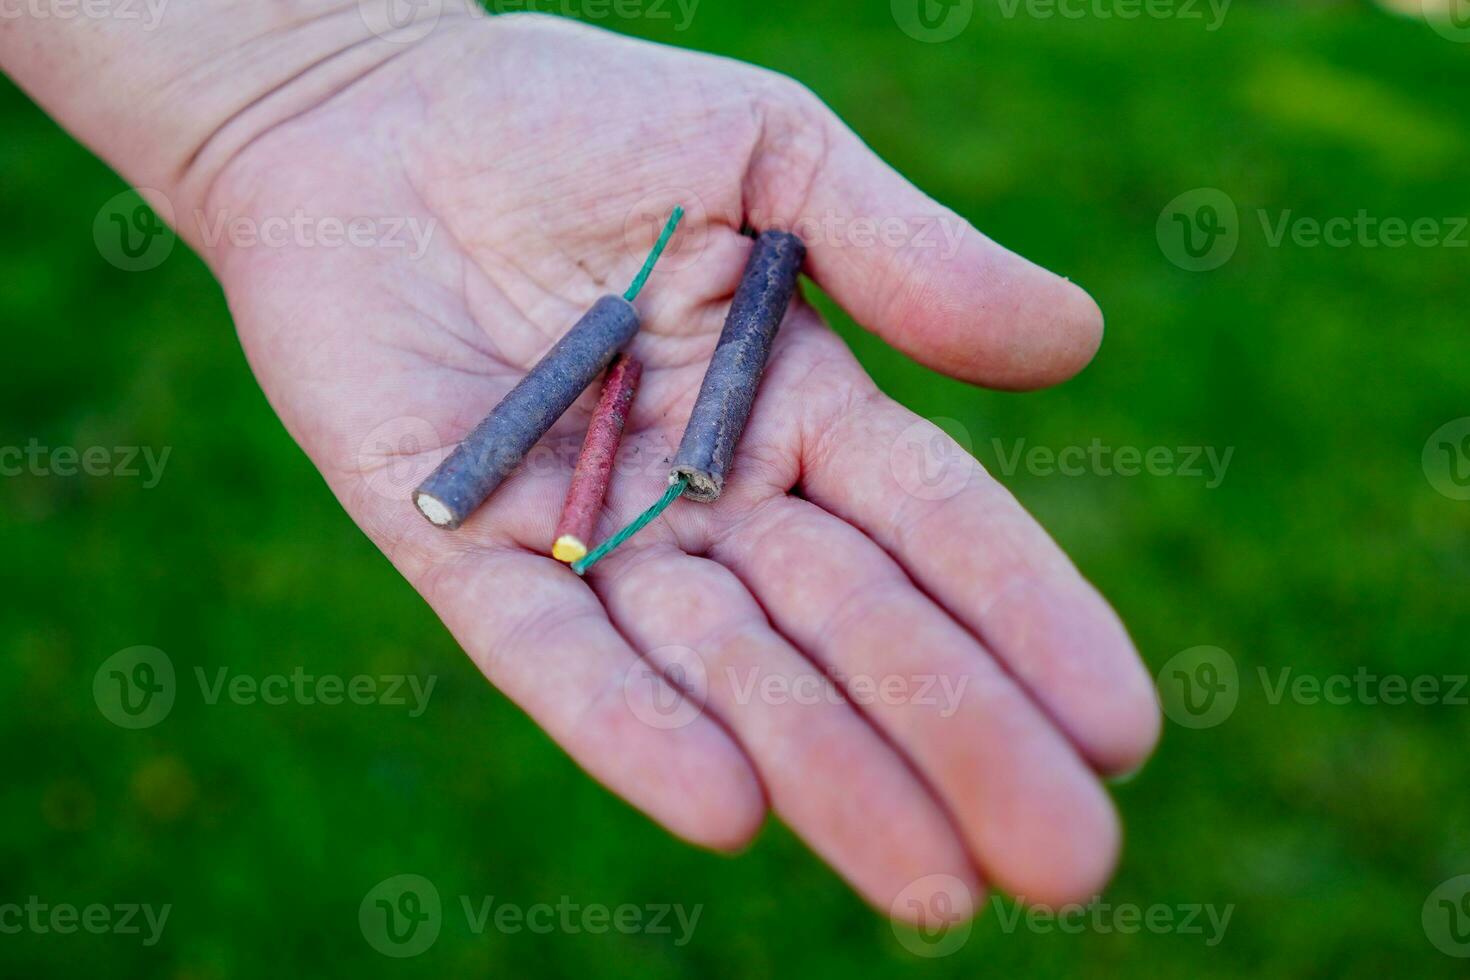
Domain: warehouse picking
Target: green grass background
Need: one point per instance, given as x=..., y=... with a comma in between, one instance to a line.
x=1325, y=549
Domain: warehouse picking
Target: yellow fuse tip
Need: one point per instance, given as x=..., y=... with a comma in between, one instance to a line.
x=568, y=549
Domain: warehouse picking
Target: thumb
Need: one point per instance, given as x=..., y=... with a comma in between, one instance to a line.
x=907, y=268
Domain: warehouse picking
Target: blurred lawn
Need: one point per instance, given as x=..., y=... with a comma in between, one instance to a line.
x=1325, y=548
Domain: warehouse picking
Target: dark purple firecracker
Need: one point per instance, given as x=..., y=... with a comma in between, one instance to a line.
x=728, y=392
x=498, y=444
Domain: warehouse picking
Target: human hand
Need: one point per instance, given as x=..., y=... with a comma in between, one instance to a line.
x=535, y=149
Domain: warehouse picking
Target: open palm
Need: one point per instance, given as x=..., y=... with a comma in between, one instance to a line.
x=875, y=640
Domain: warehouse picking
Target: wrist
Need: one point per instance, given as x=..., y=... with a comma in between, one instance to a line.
x=172, y=94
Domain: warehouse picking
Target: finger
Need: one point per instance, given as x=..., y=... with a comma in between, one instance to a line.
x=1034, y=816
x=827, y=772
x=967, y=542
x=542, y=637
x=907, y=268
